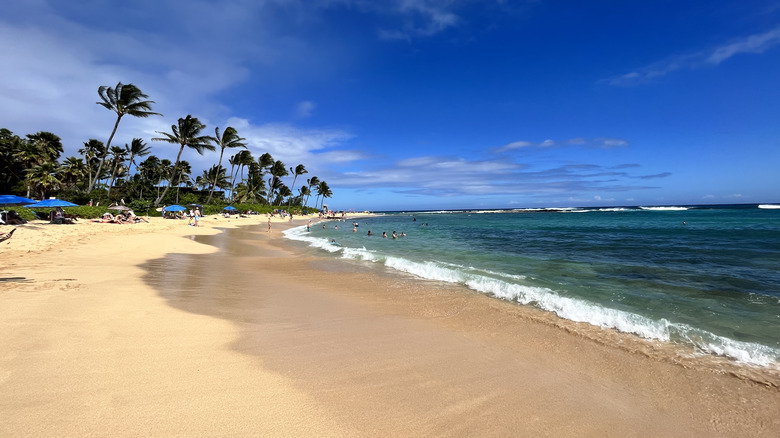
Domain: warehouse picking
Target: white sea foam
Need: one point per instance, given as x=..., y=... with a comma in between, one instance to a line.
x=769, y=206
x=509, y=287
x=615, y=209
x=664, y=208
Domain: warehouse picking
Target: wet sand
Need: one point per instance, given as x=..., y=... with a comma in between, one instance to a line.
x=238, y=333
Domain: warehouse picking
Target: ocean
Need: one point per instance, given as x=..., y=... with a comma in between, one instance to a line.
x=704, y=277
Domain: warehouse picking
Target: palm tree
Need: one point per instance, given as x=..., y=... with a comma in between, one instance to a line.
x=243, y=159
x=229, y=139
x=40, y=148
x=182, y=176
x=150, y=171
x=312, y=182
x=266, y=161
x=13, y=168
x=185, y=134
x=282, y=193
x=72, y=171
x=214, y=177
x=117, y=162
x=278, y=170
x=49, y=145
x=93, y=151
x=43, y=178
x=305, y=193
x=324, y=191
x=299, y=170
x=123, y=100
x=29, y=156
x=137, y=148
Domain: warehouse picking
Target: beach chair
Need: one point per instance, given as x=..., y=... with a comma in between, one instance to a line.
x=6, y=236
x=41, y=216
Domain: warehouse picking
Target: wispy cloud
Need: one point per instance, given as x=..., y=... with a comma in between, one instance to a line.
x=304, y=109
x=454, y=176
x=753, y=44
x=420, y=18
x=598, y=143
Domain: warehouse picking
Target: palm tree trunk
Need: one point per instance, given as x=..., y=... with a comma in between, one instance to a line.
x=113, y=178
x=103, y=160
x=219, y=166
x=175, y=168
x=291, y=191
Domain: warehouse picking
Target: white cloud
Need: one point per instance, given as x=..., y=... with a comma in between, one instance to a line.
x=755, y=44
x=304, y=109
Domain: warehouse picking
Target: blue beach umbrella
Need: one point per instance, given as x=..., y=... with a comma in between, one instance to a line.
x=174, y=208
x=51, y=203
x=15, y=200
x=229, y=207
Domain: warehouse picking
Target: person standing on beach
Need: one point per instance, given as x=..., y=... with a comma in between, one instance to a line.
x=308, y=226
x=196, y=216
x=269, y=224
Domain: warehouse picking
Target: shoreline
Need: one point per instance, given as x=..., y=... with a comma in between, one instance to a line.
x=343, y=342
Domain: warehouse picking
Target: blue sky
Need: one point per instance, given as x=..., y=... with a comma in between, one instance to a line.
x=421, y=104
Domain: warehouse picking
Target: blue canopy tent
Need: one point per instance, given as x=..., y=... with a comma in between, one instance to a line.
x=57, y=217
x=230, y=208
x=174, y=208
x=51, y=203
x=15, y=200
x=10, y=200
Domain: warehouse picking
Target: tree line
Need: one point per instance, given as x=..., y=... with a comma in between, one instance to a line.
x=105, y=172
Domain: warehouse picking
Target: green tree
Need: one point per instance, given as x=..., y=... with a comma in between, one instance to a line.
x=49, y=146
x=182, y=176
x=124, y=99
x=241, y=159
x=186, y=134
x=229, y=139
x=93, y=152
x=118, y=155
x=72, y=172
x=312, y=183
x=13, y=168
x=277, y=171
x=43, y=178
x=324, y=191
x=298, y=171
x=137, y=148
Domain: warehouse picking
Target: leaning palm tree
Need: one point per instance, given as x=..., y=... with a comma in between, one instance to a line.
x=312, y=182
x=299, y=170
x=305, y=193
x=137, y=148
x=185, y=134
x=93, y=152
x=229, y=139
x=324, y=191
x=123, y=100
x=278, y=170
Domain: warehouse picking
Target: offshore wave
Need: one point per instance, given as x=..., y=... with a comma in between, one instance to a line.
x=769, y=206
x=507, y=287
x=670, y=208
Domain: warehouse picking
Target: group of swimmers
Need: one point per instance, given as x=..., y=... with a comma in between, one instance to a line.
x=384, y=234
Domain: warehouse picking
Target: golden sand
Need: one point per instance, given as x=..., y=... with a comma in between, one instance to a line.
x=162, y=329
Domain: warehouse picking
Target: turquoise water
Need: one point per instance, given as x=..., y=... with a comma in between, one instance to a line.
x=707, y=277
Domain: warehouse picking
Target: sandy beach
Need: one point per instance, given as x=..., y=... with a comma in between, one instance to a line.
x=162, y=329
